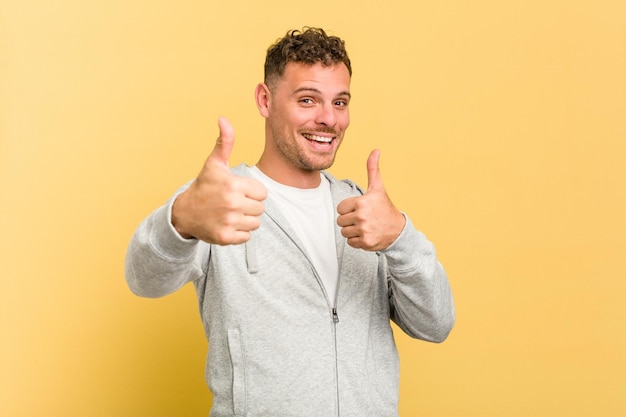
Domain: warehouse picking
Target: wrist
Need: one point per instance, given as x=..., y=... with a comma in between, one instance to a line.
x=176, y=218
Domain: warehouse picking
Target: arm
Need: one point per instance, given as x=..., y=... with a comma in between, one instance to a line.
x=419, y=292
x=216, y=208
x=158, y=260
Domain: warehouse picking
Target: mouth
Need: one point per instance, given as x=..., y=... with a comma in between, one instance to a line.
x=317, y=138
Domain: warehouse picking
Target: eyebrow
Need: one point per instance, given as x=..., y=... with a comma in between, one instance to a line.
x=315, y=90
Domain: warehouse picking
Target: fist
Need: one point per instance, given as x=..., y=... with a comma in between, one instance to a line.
x=370, y=221
x=219, y=207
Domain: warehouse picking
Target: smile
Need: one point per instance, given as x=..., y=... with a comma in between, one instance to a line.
x=316, y=138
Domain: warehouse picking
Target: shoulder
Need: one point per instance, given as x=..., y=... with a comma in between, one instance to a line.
x=345, y=185
x=241, y=170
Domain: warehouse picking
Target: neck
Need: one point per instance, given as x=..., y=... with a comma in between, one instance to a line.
x=290, y=176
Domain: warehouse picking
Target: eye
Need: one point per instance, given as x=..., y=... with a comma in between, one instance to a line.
x=306, y=100
x=341, y=103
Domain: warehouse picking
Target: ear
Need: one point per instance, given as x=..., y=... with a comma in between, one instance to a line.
x=263, y=96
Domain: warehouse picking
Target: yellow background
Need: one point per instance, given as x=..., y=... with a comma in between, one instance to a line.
x=503, y=135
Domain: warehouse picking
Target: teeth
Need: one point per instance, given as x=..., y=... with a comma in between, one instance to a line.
x=317, y=138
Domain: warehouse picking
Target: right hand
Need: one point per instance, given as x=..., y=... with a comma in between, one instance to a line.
x=219, y=207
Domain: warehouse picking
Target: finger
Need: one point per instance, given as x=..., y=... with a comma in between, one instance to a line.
x=374, y=180
x=254, y=189
x=248, y=223
x=350, y=231
x=345, y=220
x=251, y=207
x=224, y=144
x=356, y=242
x=235, y=238
x=346, y=206
x=238, y=232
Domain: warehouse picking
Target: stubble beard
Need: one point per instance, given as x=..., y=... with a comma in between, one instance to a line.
x=298, y=157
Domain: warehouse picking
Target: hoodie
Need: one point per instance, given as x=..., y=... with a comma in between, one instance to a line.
x=278, y=346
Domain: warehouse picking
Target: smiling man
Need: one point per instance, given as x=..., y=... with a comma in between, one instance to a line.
x=309, y=101
x=297, y=274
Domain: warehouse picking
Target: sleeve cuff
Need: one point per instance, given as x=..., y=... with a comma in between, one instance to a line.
x=408, y=248
x=166, y=240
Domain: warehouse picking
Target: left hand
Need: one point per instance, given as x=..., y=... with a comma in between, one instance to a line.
x=370, y=221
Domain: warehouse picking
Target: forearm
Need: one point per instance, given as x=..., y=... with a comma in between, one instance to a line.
x=158, y=260
x=420, y=295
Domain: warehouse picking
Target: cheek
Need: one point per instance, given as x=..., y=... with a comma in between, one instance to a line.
x=344, y=120
x=286, y=121
x=295, y=118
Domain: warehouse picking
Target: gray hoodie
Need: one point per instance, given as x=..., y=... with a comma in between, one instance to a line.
x=278, y=347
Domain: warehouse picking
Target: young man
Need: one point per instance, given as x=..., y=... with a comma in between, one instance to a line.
x=297, y=274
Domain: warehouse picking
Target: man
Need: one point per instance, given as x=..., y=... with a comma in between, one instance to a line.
x=297, y=274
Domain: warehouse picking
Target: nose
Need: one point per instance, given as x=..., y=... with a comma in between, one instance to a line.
x=326, y=116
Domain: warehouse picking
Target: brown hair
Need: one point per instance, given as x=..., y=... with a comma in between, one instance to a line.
x=309, y=46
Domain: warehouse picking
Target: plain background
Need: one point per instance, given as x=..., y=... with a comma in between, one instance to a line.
x=503, y=136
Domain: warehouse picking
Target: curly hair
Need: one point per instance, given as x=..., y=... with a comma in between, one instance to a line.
x=309, y=46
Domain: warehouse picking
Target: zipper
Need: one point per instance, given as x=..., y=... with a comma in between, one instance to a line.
x=335, y=322
x=335, y=316
x=334, y=328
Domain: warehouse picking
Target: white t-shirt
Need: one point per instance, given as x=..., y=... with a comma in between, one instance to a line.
x=310, y=213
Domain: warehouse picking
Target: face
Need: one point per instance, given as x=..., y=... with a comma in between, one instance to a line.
x=307, y=116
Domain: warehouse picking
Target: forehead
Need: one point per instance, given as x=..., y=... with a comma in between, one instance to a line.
x=332, y=79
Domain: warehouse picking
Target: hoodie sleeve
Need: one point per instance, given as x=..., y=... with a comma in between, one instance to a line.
x=158, y=260
x=421, y=301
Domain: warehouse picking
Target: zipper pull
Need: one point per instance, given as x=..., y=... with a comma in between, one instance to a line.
x=335, y=316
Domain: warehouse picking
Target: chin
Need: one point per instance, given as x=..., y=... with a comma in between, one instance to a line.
x=320, y=165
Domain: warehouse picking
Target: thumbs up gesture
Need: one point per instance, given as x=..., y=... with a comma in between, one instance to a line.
x=219, y=207
x=370, y=221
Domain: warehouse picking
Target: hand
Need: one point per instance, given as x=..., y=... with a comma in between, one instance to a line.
x=370, y=221
x=220, y=207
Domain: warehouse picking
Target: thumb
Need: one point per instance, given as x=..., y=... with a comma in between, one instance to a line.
x=374, y=180
x=224, y=143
